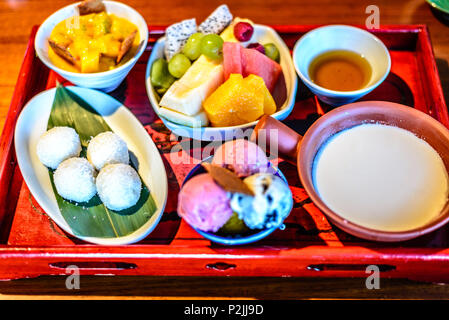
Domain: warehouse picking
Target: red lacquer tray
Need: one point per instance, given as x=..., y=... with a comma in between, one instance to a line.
x=32, y=245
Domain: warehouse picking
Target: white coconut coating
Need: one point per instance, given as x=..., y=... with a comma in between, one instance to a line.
x=57, y=145
x=107, y=148
x=118, y=186
x=75, y=180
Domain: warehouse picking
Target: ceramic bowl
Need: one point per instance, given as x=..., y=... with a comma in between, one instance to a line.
x=262, y=34
x=341, y=37
x=107, y=80
x=235, y=239
x=303, y=151
x=441, y=5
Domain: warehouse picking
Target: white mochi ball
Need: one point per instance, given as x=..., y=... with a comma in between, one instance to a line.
x=57, y=145
x=75, y=180
x=107, y=148
x=118, y=186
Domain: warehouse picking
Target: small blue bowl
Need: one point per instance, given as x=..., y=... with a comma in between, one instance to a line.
x=235, y=239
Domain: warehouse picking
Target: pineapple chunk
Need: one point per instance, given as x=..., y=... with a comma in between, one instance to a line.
x=101, y=24
x=90, y=61
x=61, y=39
x=122, y=27
x=79, y=46
x=107, y=45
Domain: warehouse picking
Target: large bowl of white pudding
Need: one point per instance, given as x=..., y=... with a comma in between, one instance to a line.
x=377, y=170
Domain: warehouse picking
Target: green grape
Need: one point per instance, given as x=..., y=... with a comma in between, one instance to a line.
x=272, y=52
x=160, y=77
x=178, y=65
x=211, y=46
x=192, y=48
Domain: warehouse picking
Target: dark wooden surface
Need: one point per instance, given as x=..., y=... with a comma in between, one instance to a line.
x=19, y=16
x=104, y=287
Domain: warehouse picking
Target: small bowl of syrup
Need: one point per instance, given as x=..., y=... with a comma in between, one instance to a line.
x=340, y=64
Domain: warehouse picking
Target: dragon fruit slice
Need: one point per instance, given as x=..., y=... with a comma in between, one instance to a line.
x=177, y=35
x=217, y=21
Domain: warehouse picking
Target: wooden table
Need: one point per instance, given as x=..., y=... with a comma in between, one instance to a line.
x=18, y=16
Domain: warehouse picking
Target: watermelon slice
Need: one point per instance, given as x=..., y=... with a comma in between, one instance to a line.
x=237, y=59
x=255, y=62
x=232, y=59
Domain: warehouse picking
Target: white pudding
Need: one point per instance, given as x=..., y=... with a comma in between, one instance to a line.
x=381, y=177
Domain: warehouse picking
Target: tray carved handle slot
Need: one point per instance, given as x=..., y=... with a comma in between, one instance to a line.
x=221, y=266
x=348, y=267
x=93, y=265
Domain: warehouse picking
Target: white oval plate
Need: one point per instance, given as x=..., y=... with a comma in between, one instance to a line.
x=32, y=123
x=262, y=34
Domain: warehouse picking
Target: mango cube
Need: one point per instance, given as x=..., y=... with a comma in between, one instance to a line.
x=238, y=101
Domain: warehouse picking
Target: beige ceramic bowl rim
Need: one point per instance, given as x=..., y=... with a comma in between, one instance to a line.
x=92, y=74
x=351, y=227
x=325, y=91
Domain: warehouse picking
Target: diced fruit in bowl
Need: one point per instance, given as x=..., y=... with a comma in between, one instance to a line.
x=202, y=62
x=239, y=100
x=93, y=41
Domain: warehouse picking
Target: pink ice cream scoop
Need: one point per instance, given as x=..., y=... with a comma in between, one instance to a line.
x=204, y=204
x=241, y=156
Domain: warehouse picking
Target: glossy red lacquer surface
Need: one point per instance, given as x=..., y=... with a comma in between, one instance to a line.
x=32, y=245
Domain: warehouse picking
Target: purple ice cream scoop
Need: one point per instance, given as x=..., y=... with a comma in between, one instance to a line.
x=204, y=204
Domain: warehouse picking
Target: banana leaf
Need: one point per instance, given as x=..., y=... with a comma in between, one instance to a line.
x=93, y=218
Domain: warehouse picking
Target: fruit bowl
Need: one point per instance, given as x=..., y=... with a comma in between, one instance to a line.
x=284, y=93
x=235, y=238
